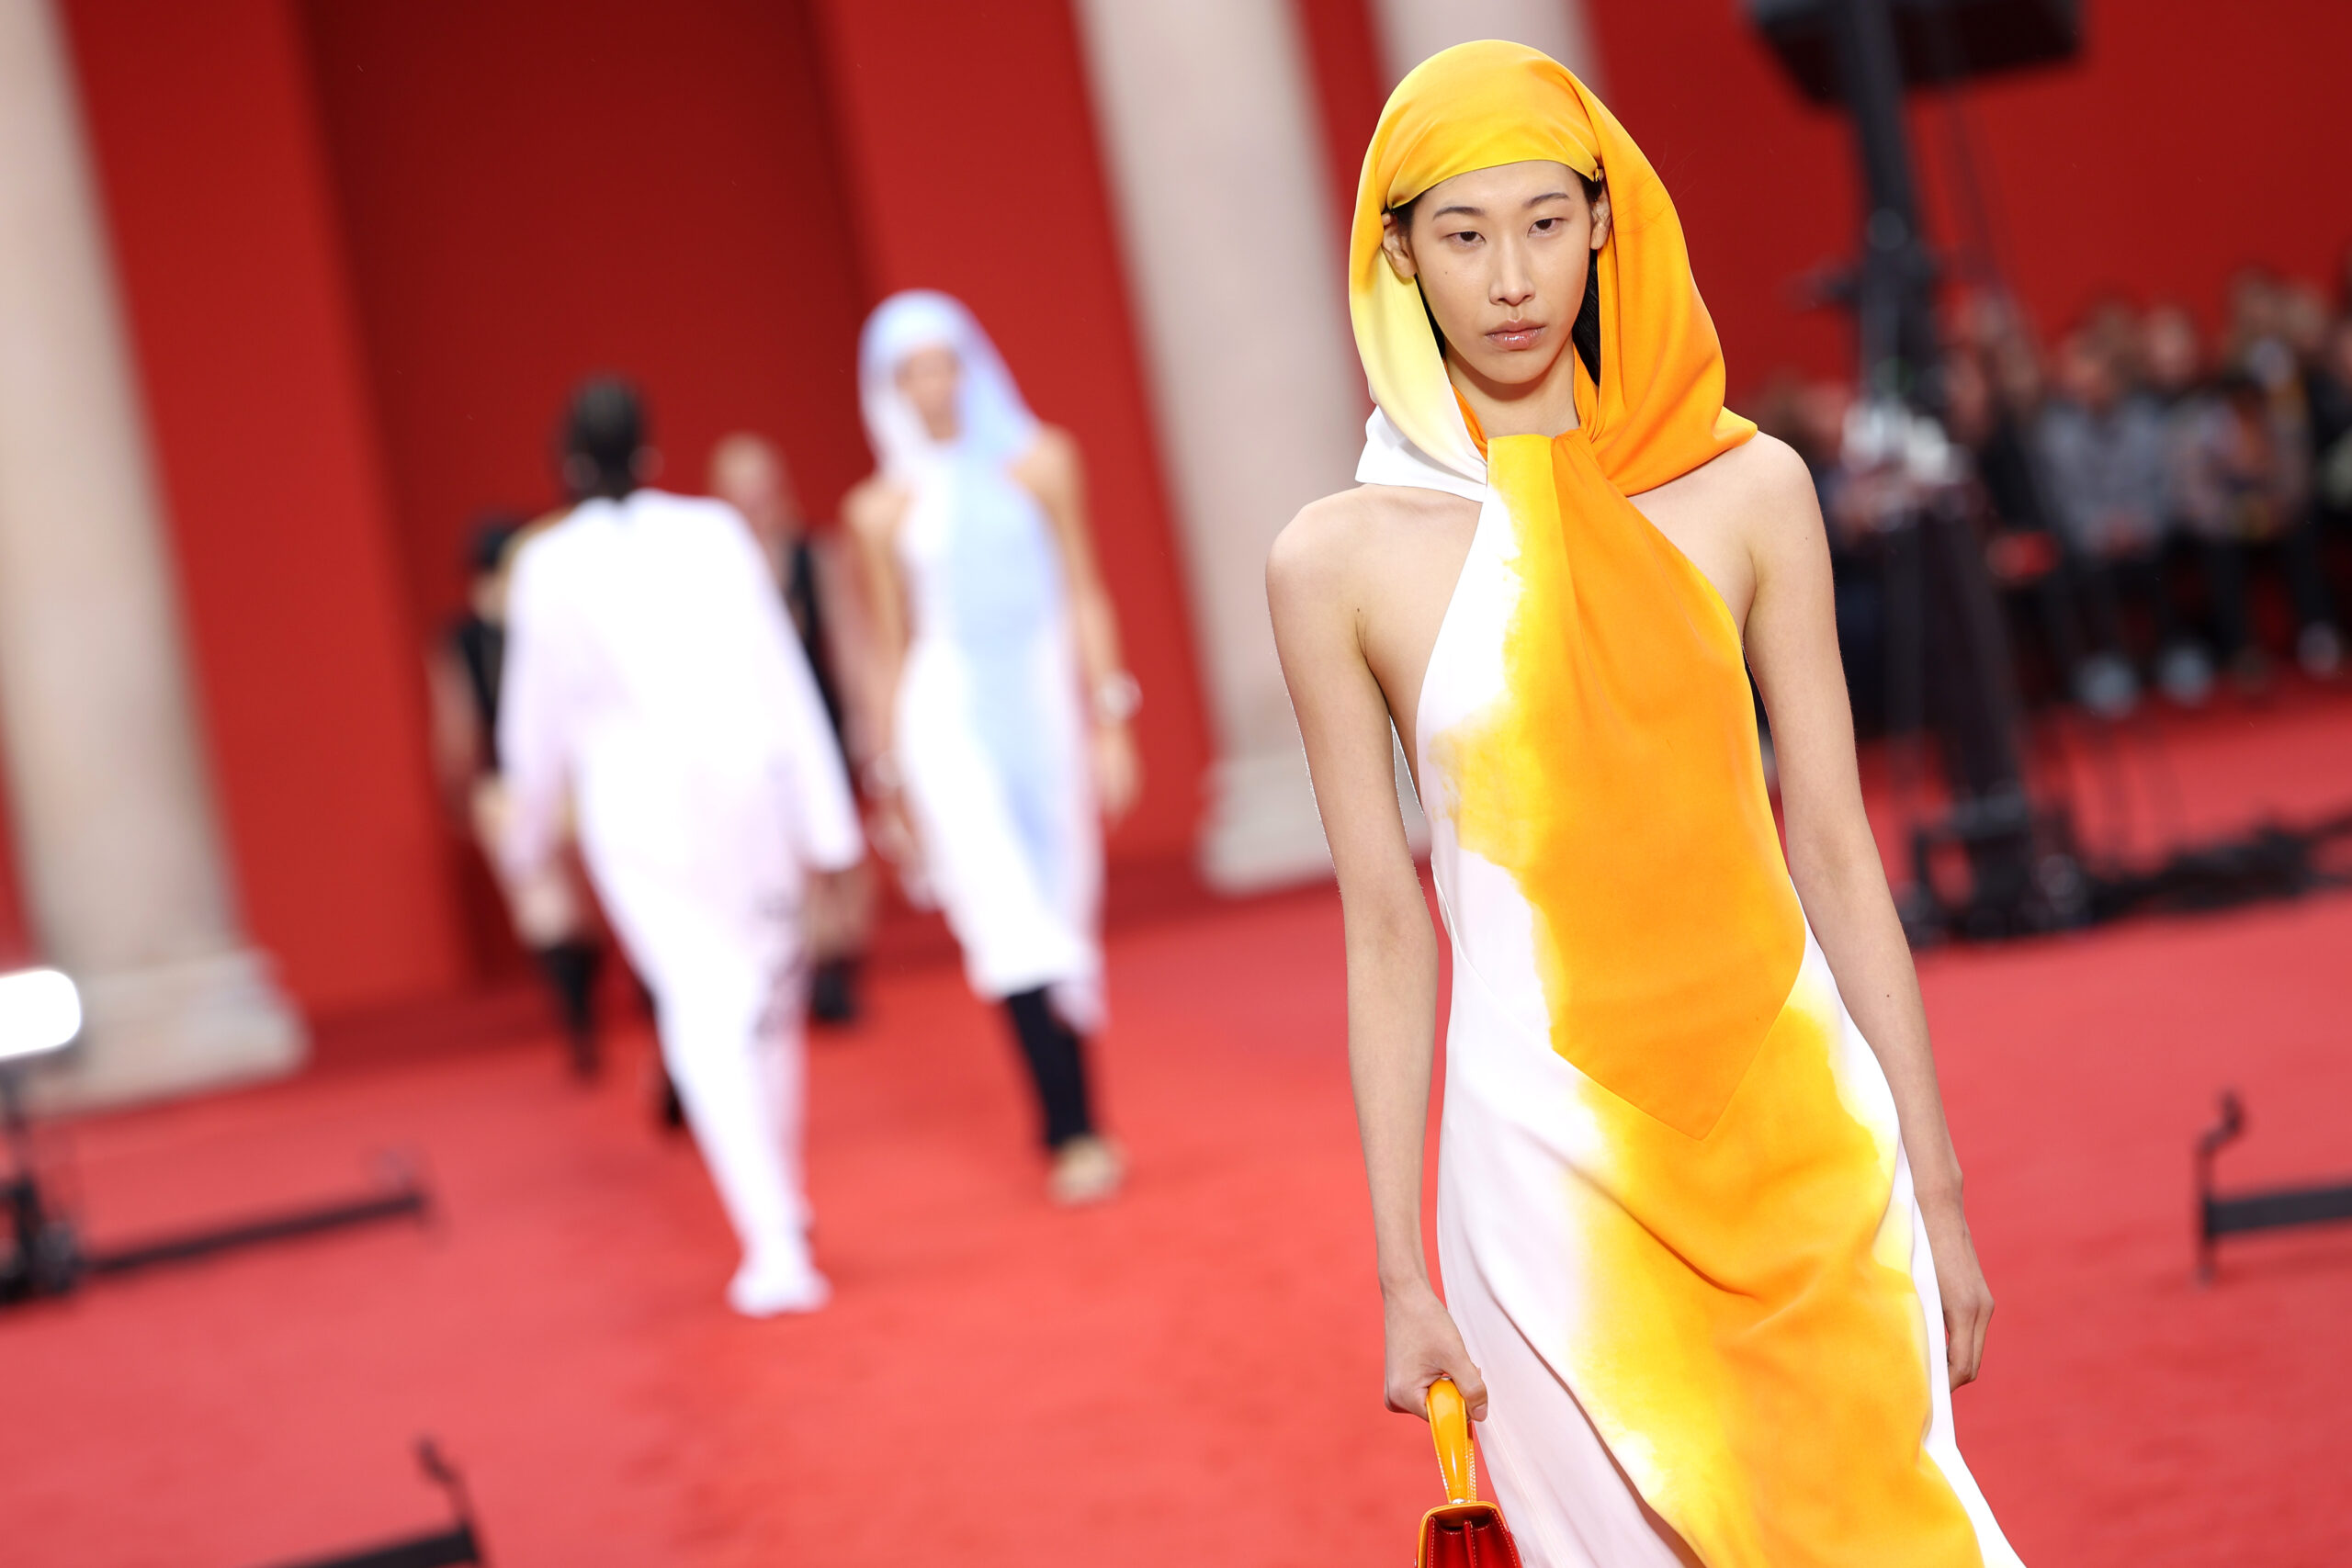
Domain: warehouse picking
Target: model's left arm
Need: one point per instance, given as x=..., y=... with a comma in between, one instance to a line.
x=1054, y=473
x=1791, y=636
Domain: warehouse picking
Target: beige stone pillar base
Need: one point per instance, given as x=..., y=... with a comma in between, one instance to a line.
x=150, y=1033
x=1204, y=109
x=1262, y=830
x=116, y=839
x=1413, y=30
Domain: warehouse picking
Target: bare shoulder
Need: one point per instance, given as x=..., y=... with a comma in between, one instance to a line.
x=1766, y=487
x=1055, y=447
x=872, y=507
x=1331, y=540
x=1052, y=463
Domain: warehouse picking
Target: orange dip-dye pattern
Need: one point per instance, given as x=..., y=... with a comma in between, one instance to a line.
x=1753, y=1349
x=1620, y=782
x=1741, y=1323
x=1745, y=1254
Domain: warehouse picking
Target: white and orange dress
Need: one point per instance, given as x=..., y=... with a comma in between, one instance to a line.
x=1675, y=1219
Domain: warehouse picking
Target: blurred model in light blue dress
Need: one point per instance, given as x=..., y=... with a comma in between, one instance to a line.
x=1007, y=703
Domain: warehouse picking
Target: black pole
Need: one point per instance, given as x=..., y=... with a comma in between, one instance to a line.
x=1893, y=300
x=404, y=1202
x=1964, y=687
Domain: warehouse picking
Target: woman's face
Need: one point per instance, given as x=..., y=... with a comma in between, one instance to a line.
x=2168, y=349
x=929, y=378
x=1968, y=398
x=1502, y=255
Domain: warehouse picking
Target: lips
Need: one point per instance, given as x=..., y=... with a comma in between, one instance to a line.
x=1513, y=337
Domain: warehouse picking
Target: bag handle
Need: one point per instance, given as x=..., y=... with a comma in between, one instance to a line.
x=1450, y=1429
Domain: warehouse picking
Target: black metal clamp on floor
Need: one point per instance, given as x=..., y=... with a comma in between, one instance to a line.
x=2265, y=1209
x=442, y=1548
x=40, y=1255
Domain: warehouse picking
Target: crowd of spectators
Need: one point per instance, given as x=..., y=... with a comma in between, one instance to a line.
x=2160, y=509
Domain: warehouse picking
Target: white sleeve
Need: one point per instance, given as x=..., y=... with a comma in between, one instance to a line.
x=824, y=813
x=534, y=739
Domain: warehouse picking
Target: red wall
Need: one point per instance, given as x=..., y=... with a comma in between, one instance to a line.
x=1351, y=89
x=2190, y=139
x=535, y=190
x=307, y=675
x=968, y=143
x=708, y=193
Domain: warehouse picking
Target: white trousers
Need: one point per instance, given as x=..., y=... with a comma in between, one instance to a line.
x=727, y=972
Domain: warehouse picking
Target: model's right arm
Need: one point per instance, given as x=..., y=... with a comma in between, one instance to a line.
x=1317, y=601
x=872, y=513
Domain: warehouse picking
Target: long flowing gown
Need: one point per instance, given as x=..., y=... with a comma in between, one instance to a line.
x=1675, y=1219
x=989, y=726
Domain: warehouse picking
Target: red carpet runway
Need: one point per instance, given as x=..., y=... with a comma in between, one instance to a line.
x=1189, y=1375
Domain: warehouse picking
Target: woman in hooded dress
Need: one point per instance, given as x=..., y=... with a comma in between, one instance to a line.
x=1708, y=1279
x=1007, y=702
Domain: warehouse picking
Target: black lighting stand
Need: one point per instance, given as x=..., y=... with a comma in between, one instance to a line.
x=442, y=1548
x=1997, y=862
x=43, y=1255
x=2265, y=1209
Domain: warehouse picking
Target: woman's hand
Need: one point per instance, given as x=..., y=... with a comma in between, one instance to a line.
x=1960, y=1279
x=837, y=912
x=1118, y=773
x=888, y=826
x=486, y=804
x=1424, y=1345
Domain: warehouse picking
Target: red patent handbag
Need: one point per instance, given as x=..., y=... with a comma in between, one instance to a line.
x=1461, y=1532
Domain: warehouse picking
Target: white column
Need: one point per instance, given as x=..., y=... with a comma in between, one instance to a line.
x=1413, y=30
x=1220, y=189
x=115, y=838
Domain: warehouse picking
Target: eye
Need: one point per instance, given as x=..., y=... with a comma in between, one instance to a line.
x=1464, y=236
x=1547, y=225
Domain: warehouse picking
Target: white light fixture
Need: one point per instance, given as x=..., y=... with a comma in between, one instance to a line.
x=40, y=1012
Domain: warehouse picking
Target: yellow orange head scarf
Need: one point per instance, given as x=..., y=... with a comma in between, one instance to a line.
x=1617, y=778
x=1658, y=410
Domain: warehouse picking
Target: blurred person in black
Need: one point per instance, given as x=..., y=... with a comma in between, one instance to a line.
x=2245, y=486
x=549, y=909
x=749, y=474
x=2315, y=333
x=2102, y=461
x=2024, y=554
x=2172, y=361
x=1991, y=416
x=2259, y=452
x=653, y=683
x=2330, y=382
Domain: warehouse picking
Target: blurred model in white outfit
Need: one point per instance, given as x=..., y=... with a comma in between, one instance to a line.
x=1009, y=708
x=649, y=667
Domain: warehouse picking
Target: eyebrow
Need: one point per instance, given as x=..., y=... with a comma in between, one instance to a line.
x=1470, y=211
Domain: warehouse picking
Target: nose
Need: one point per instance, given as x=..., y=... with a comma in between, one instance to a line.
x=1514, y=281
